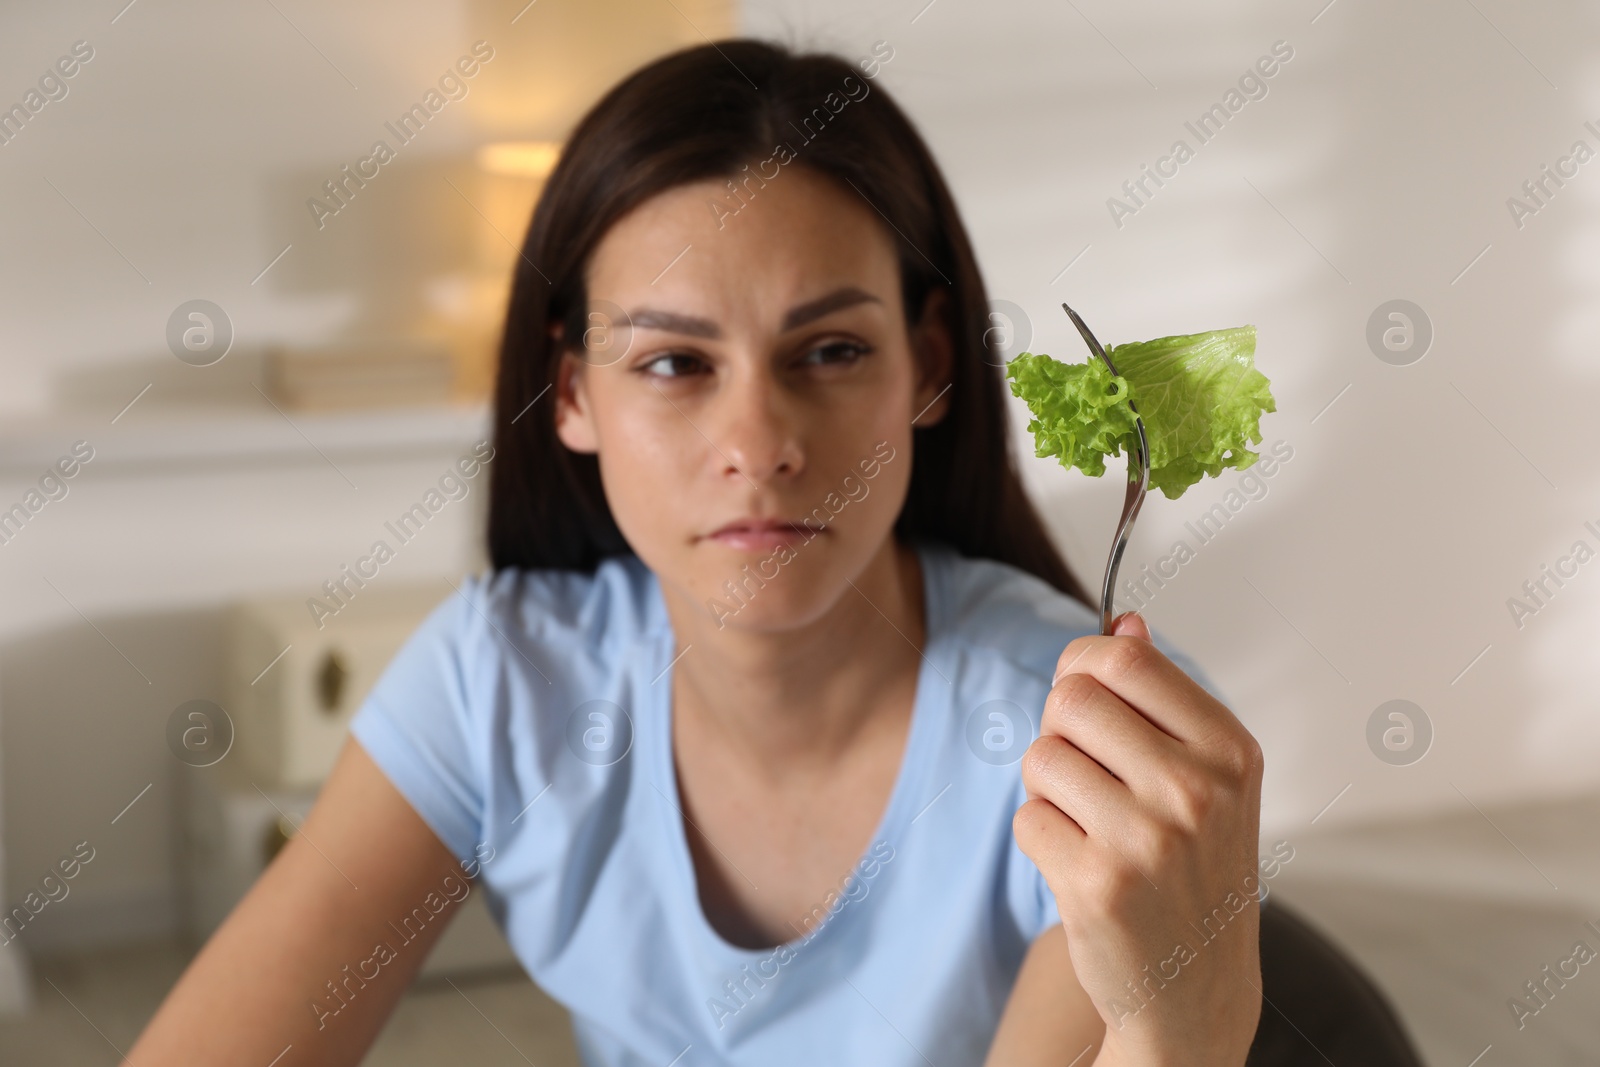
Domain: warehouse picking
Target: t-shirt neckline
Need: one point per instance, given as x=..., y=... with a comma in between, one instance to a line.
x=934, y=693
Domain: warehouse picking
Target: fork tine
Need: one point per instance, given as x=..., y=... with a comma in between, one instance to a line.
x=1089, y=337
x=1132, y=499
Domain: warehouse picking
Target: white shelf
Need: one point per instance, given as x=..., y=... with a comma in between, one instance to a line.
x=239, y=434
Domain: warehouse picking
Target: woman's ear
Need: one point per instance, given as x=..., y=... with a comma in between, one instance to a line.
x=934, y=351
x=574, y=415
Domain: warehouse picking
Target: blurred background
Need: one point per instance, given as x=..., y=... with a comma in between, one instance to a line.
x=237, y=346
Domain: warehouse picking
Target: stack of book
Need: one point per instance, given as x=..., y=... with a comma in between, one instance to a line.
x=381, y=373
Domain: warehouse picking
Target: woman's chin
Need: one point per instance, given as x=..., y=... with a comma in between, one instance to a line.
x=793, y=598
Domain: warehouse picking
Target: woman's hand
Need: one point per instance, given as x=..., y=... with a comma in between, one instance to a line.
x=1143, y=815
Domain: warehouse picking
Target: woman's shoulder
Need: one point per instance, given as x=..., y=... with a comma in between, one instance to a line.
x=582, y=611
x=491, y=673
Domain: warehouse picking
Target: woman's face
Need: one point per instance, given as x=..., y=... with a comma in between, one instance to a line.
x=750, y=386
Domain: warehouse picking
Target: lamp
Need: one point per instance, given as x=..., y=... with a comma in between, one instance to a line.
x=520, y=159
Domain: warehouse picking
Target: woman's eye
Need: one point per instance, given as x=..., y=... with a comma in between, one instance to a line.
x=672, y=365
x=835, y=352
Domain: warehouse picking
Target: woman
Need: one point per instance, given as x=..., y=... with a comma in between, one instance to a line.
x=736, y=734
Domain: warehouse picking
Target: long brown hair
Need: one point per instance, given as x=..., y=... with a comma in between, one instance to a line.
x=705, y=112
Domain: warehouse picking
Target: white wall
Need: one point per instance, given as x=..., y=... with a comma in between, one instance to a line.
x=1383, y=153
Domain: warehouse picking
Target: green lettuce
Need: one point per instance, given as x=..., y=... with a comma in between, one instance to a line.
x=1199, y=394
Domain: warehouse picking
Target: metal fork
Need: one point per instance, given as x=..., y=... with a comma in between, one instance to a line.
x=1136, y=490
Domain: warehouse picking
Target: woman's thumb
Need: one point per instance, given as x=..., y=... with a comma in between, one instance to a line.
x=1130, y=624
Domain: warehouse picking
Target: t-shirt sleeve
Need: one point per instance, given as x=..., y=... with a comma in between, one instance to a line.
x=419, y=723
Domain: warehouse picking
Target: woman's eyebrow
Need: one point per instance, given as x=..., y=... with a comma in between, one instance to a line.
x=844, y=297
x=799, y=315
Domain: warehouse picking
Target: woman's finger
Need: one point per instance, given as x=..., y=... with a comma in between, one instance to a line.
x=1050, y=839
x=1120, y=739
x=1054, y=769
x=1146, y=680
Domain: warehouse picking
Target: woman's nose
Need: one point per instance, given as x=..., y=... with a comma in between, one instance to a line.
x=759, y=439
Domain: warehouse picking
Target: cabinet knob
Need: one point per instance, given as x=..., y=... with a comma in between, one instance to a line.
x=331, y=679
x=278, y=833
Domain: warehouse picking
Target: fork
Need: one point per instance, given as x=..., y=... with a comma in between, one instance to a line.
x=1134, y=497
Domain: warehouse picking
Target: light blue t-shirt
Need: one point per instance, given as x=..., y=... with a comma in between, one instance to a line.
x=531, y=714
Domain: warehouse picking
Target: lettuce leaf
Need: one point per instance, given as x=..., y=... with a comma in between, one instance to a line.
x=1199, y=394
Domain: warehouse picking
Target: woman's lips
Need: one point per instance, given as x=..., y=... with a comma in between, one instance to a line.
x=762, y=536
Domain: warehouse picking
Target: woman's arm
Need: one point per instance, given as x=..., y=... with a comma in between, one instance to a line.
x=318, y=915
x=1049, y=1020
